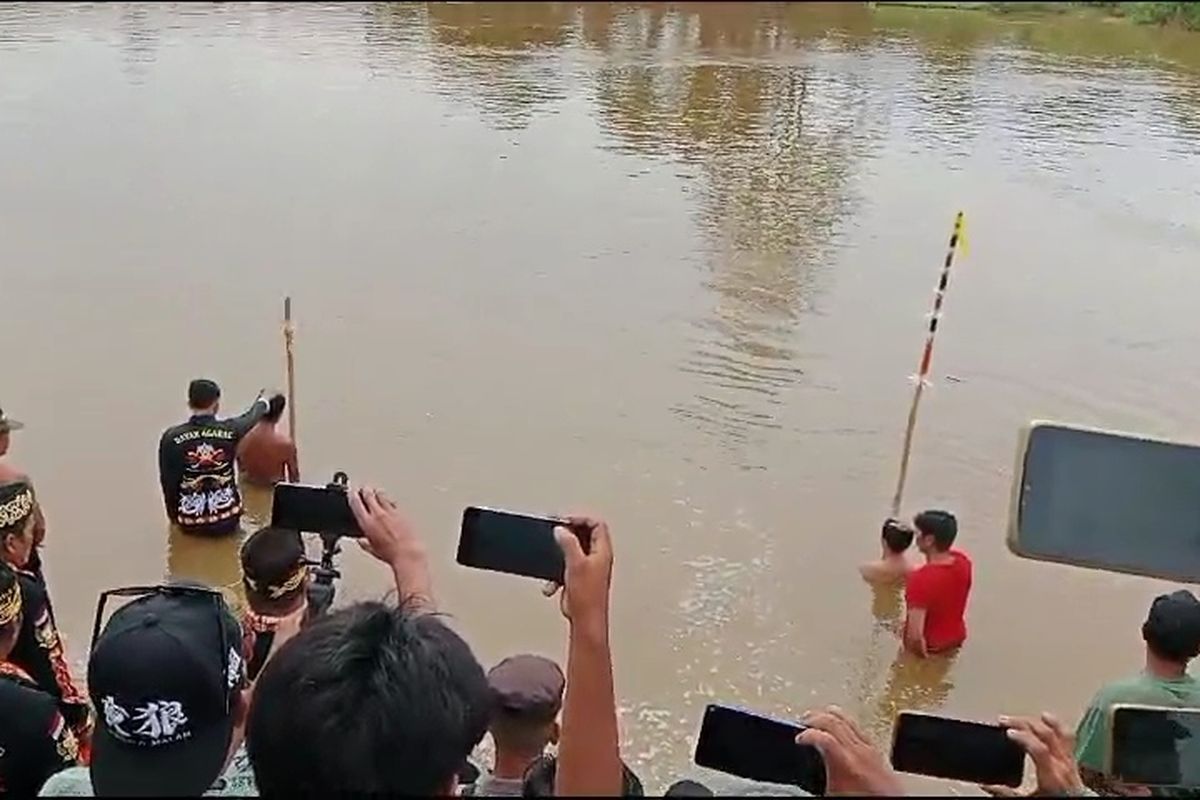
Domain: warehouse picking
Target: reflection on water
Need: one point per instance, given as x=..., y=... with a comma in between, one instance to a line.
x=211, y=560
x=719, y=219
x=913, y=684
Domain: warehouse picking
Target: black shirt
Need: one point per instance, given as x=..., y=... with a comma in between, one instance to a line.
x=35, y=741
x=196, y=470
x=39, y=649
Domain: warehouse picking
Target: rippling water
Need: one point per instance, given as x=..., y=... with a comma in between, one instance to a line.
x=665, y=261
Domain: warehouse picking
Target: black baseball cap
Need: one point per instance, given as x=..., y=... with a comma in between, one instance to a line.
x=9, y=424
x=1172, y=627
x=162, y=677
x=527, y=685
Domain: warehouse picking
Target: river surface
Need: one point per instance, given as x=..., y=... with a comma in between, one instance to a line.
x=665, y=262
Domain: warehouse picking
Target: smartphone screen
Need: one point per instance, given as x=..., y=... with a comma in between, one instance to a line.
x=1156, y=746
x=313, y=509
x=518, y=544
x=758, y=748
x=1105, y=500
x=956, y=750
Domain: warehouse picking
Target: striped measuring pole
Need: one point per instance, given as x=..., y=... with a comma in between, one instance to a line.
x=957, y=241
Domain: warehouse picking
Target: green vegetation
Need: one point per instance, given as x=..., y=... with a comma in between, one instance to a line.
x=1184, y=14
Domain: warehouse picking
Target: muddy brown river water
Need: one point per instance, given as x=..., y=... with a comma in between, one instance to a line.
x=666, y=262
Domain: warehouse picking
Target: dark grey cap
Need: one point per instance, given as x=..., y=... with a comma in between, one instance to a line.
x=527, y=685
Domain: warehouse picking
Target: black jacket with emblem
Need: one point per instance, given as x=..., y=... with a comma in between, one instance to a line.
x=196, y=470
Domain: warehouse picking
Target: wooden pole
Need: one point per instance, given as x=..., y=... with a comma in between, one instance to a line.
x=956, y=239
x=288, y=336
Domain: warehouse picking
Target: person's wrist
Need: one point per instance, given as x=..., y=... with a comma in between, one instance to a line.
x=413, y=578
x=590, y=627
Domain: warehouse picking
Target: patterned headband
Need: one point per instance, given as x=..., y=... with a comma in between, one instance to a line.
x=287, y=587
x=10, y=604
x=16, y=509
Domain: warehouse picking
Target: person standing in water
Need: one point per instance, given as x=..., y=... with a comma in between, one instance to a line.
x=937, y=592
x=892, y=566
x=195, y=463
x=267, y=456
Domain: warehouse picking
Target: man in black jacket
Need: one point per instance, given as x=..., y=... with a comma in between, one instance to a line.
x=38, y=649
x=35, y=741
x=196, y=463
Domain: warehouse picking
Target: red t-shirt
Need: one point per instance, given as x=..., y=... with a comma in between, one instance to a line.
x=942, y=590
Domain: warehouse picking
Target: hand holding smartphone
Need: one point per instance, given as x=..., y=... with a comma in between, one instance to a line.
x=758, y=748
x=940, y=747
x=1153, y=746
x=517, y=544
x=313, y=509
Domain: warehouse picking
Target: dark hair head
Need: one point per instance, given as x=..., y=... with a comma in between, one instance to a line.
x=1172, y=628
x=370, y=699
x=275, y=407
x=202, y=393
x=897, y=536
x=941, y=525
x=540, y=775
x=274, y=571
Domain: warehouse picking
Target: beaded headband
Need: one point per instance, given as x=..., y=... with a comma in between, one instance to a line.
x=16, y=509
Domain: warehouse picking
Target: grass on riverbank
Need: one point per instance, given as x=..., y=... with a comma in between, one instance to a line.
x=1184, y=14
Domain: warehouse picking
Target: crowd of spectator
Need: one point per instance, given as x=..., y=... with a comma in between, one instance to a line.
x=187, y=697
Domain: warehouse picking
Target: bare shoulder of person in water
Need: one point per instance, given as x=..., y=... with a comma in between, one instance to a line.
x=886, y=570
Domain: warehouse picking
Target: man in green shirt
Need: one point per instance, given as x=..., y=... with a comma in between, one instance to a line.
x=1172, y=635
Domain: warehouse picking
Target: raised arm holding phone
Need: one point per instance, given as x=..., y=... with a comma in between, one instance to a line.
x=389, y=537
x=589, y=759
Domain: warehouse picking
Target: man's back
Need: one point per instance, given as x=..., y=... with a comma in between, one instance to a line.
x=266, y=456
x=1092, y=735
x=942, y=589
x=195, y=466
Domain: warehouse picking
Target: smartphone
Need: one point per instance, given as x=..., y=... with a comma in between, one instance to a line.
x=955, y=749
x=518, y=544
x=1119, y=502
x=758, y=748
x=1155, y=746
x=313, y=509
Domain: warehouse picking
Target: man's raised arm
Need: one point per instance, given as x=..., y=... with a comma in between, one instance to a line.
x=242, y=423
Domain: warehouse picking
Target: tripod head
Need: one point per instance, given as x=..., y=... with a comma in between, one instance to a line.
x=321, y=591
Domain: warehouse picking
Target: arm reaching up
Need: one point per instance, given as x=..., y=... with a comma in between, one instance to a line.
x=589, y=759
x=390, y=538
x=242, y=423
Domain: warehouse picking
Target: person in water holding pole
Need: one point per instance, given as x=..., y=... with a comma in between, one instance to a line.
x=196, y=463
x=267, y=456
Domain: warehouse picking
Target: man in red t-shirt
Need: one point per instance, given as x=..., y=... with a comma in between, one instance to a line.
x=937, y=592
